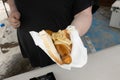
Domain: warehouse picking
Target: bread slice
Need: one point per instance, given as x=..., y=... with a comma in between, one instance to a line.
x=50, y=47
x=64, y=53
x=63, y=44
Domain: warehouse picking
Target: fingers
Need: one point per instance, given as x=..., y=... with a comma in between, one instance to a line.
x=15, y=24
x=17, y=16
x=14, y=20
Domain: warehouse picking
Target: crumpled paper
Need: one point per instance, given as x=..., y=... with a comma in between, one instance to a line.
x=78, y=53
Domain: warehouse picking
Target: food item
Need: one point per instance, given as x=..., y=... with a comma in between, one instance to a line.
x=63, y=45
x=48, y=43
x=57, y=42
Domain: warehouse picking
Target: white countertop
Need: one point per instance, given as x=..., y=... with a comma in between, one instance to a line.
x=103, y=65
x=116, y=4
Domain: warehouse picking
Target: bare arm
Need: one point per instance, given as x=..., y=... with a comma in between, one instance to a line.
x=14, y=15
x=12, y=5
x=82, y=21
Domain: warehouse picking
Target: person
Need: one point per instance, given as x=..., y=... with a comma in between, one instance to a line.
x=28, y=15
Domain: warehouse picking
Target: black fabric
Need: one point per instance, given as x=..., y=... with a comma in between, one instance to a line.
x=29, y=50
x=95, y=5
x=80, y=5
x=44, y=14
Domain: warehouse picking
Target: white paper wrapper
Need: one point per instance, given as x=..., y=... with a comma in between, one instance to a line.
x=78, y=53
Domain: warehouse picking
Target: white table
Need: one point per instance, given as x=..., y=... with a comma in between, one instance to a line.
x=103, y=65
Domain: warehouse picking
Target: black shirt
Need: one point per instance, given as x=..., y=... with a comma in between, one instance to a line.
x=44, y=14
x=49, y=14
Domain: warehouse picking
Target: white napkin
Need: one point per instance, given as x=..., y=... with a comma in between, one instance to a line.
x=78, y=53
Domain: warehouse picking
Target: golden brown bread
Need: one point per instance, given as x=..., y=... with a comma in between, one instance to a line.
x=64, y=53
x=63, y=44
x=49, y=32
x=48, y=43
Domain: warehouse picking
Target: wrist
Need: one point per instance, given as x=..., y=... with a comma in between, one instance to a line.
x=13, y=9
x=12, y=5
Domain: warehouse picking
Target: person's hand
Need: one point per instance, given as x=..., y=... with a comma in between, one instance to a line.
x=14, y=18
